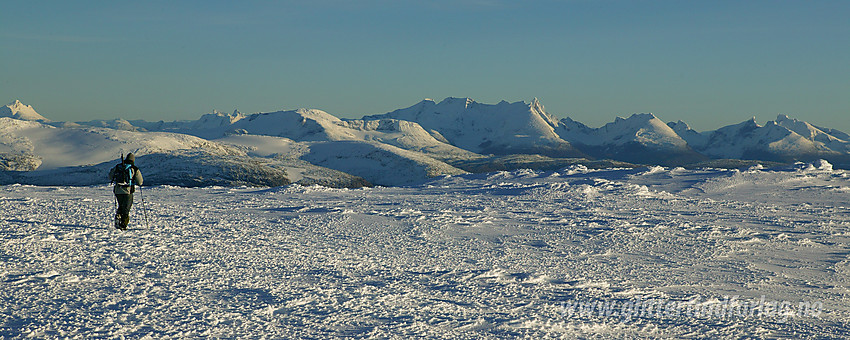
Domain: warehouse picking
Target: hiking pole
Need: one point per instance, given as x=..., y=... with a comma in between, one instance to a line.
x=115, y=214
x=115, y=222
x=144, y=209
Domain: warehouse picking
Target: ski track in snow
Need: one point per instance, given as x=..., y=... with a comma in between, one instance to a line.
x=487, y=255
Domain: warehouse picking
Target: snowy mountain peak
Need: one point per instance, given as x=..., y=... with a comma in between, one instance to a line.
x=638, y=117
x=740, y=128
x=793, y=124
x=488, y=128
x=694, y=138
x=646, y=116
x=783, y=140
x=317, y=115
x=640, y=138
x=644, y=128
x=752, y=121
x=570, y=124
x=217, y=119
x=798, y=126
x=832, y=138
x=300, y=125
x=457, y=102
x=781, y=118
x=18, y=110
x=536, y=106
x=679, y=126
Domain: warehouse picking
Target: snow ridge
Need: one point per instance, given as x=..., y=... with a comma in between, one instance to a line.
x=413, y=144
x=641, y=138
x=783, y=140
x=503, y=128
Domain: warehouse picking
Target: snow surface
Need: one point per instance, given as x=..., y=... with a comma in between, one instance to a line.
x=498, y=255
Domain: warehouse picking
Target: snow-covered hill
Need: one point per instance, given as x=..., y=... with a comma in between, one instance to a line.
x=409, y=136
x=384, y=152
x=189, y=168
x=196, y=167
x=378, y=163
x=316, y=125
x=42, y=154
x=117, y=124
x=61, y=147
x=354, y=149
x=299, y=125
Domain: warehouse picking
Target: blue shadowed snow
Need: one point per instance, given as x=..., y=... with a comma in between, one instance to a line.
x=499, y=255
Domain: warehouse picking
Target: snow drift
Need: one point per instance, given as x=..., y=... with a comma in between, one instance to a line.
x=572, y=253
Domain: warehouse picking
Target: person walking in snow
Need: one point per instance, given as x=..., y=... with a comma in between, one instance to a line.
x=125, y=176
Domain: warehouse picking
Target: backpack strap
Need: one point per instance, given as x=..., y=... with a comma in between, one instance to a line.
x=129, y=169
x=117, y=173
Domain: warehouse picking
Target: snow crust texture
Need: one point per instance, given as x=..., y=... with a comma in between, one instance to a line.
x=498, y=255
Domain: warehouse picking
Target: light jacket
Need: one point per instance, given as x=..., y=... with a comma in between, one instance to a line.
x=126, y=189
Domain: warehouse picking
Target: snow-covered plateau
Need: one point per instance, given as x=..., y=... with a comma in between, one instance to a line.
x=621, y=253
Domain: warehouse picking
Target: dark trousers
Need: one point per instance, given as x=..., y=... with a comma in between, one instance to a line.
x=123, y=214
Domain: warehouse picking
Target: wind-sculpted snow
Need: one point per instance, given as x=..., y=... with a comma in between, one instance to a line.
x=624, y=253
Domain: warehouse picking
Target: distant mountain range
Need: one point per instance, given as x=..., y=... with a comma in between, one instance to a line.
x=405, y=146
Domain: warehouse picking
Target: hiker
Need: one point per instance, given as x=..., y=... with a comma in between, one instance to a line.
x=126, y=176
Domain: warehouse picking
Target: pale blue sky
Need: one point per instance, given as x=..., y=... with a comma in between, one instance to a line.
x=709, y=63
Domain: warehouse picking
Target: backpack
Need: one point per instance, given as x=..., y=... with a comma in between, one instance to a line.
x=124, y=174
